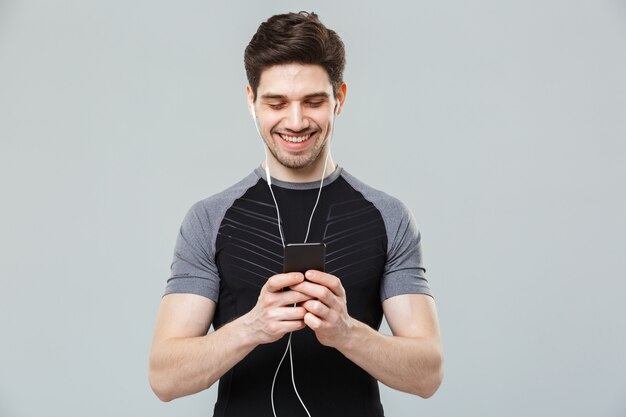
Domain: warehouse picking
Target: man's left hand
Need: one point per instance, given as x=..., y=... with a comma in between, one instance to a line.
x=327, y=313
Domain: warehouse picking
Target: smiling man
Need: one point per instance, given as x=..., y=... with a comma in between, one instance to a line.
x=295, y=106
x=227, y=268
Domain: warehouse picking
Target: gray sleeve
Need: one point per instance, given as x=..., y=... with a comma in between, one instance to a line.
x=193, y=268
x=404, y=270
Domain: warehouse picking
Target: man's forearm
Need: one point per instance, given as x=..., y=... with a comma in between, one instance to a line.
x=184, y=366
x=413, y=365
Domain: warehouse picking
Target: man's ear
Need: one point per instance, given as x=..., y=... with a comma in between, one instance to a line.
x=250, y=95
x=341, y=97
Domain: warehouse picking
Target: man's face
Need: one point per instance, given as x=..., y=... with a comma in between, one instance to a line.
x=294, y=110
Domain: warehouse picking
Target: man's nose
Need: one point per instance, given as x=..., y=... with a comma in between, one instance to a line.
x=295, y=119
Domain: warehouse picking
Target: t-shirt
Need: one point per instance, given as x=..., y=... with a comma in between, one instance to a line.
x=229, y=245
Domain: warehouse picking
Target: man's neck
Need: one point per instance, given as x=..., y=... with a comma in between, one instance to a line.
x=307, y=174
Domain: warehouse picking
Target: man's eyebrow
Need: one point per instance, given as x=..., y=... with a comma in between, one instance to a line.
x=321, y=94
x=270, y=96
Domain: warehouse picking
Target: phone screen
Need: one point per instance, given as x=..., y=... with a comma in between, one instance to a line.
x=300, y=257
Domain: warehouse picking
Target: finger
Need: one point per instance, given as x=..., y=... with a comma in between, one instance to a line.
x=327, y=280
x=317, y=308
x=278, y=329
x=312, y=321
x=287, y=313
x=291, y=297
x=277, y=282
x=292, y=325
x=316, y=291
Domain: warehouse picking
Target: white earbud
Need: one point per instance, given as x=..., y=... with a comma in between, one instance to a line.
x=267, y=169
x=267, y=163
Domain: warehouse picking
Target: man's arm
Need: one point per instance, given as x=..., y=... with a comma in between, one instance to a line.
x=185, y=359
x=411, y=360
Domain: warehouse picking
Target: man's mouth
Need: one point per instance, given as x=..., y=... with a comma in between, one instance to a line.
x=295, y=139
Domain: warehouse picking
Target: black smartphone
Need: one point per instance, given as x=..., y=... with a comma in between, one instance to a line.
x=300, y=257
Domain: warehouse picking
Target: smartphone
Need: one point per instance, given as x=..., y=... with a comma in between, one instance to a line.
x=300, y=257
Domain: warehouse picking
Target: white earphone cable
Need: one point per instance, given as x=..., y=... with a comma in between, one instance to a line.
x=332, y=128
x=282, y=239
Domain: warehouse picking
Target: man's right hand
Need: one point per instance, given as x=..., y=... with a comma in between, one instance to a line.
x=274, y=314
x=186, y=359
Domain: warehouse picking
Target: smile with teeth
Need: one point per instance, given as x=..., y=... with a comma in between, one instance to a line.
x=295, y=139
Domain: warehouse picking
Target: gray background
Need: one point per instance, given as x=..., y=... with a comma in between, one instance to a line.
x=502, y=125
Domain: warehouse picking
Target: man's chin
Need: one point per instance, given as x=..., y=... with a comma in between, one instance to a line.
x=296, y=165
x=301, y=161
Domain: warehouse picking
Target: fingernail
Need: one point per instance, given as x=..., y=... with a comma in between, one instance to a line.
x=310, y=274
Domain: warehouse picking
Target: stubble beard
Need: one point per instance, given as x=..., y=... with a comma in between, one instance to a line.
x=297, y=161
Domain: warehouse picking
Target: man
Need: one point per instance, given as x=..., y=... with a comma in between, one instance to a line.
x=227, y=268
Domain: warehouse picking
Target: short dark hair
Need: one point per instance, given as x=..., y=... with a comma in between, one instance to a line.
x=294, y=38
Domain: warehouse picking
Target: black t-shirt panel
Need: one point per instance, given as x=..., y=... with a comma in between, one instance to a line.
x=249, y=250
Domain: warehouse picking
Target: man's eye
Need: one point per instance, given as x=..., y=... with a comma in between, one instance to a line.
x=315, y=103
x=277, y=106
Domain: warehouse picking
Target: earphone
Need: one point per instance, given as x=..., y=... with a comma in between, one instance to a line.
x=269, y=177
x=282, y=238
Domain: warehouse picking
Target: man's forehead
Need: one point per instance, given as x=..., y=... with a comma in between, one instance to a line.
x=294, y=81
